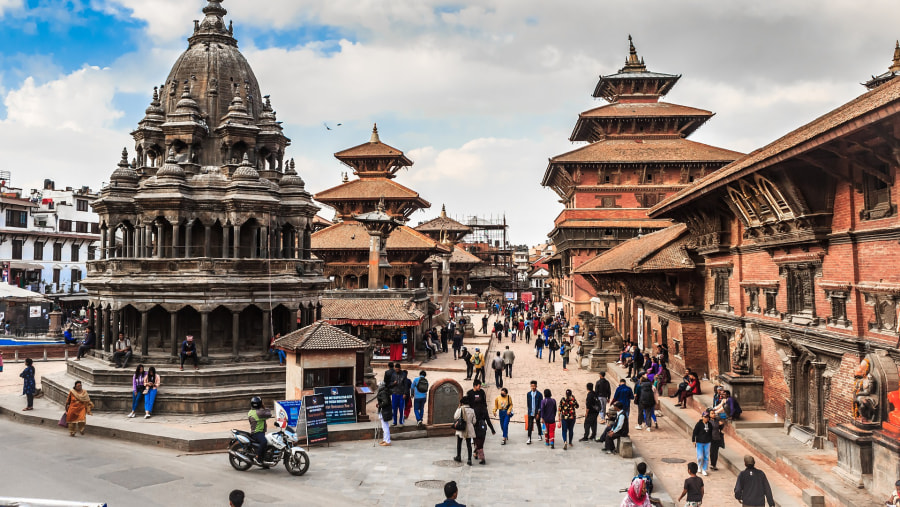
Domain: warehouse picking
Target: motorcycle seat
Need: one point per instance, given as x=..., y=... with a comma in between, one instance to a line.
x=239, y=432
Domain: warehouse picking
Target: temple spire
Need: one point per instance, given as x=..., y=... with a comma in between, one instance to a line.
x=895, y=65
x=213, y=27
x=443, y=211
x=633, y=63
x=375, y=138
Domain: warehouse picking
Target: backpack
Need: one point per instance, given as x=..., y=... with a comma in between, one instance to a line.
x=422, y=385
x=562, y=349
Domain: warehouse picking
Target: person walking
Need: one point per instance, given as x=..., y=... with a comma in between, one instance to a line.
x=553, y=346
x=78, y=407
x=503, y=406
x=539, y=348
x=151, y=386
x=718, y=442
x=624, y=395
x=533, y=401
x=509, y=357
x=498, y=367
x=398, y=402
x=548, y=417
x=466, y=413
x=647, y=403
x=478, y=364
x=137, y=388
x=466, y=356
x=565, y=351
x=420, y=395
x=28, y=384
x=385, y=411
x=484, y=323
x=592, y=410
x=568, y=406
x=604, y=393
x=693, y=487
x=752, y=487
x=457, y=343
x=702, y=437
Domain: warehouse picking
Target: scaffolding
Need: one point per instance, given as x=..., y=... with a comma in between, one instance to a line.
x=489, y=241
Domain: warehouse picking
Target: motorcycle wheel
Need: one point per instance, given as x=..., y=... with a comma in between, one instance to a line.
x=297, y=464
x=238, y=463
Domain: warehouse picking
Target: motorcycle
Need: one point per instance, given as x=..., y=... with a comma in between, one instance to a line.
x=281, y=445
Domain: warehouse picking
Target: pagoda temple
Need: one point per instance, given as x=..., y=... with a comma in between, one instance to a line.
x=892, y=72
x=344, y=246
x=637, y=154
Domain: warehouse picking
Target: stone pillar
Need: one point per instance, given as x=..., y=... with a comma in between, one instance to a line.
x=107, y=331
x=98, y=329
x=111, y=242
x=374, y=260
x=147, y=250
x=445, y=279
x=103, y=233
x=226, y=236
x=145, y=334
x=188, y=229
x=235, y=333
x=173, y=332
x=204, y=334
x=116, y=325
x=236, y=240
x=176, y=229
x=160, y=236
x=207, y=241
x=278, y=240
x=267, y=330
x=264, y=242
x=434, y=281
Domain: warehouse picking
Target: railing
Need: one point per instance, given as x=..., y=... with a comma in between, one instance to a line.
x=205, y=265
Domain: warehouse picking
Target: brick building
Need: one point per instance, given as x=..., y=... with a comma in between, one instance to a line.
x=637, y=155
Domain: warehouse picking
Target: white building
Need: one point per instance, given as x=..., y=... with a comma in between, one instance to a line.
x=46, y=237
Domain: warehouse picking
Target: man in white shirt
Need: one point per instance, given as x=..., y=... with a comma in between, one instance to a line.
x=122, y=352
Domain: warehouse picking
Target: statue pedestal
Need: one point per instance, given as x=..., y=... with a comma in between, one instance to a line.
x=600, y=357
x=469, y=330
x=55, y=329
x=854, y=450
x=886, y=460
x=746, y=389
x=585, y=360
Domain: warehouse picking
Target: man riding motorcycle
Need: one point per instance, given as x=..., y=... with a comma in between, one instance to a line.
x=257, y=417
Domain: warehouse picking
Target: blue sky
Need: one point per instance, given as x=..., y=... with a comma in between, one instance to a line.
x=479, y=94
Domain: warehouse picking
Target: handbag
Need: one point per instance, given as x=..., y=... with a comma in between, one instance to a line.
x=460, y=424
x=62, y=421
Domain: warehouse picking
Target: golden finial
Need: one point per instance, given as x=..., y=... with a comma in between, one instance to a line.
x=895, y=65
x=375, y=138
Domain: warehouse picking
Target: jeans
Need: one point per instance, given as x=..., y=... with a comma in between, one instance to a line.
x=136, y=400
x=568, y=430
x=649, y=413
x=419, y=408
x=703, y=456
x=498, y=378
x=121, y=358
x=603, y=402
x=282, y=356
x=552, y=356
x=531, y=420
x=149, y=400
x=565, y=362
x=259, y=443
x=508, y=368
x=398, y=404
x=590, y=425
x=504, y=423
x=540, y=353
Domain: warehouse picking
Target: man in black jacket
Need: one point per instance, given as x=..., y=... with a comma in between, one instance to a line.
x=752, y=488
x=604, y=393
x=592, y=407
x=479, y=404
x=533, y=400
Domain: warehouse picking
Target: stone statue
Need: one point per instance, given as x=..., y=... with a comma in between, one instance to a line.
x=865, y=394
x=740, y=356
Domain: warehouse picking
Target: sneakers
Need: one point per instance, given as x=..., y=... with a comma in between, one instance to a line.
x=540, y=438
x=583, y=439
x=131, y=415
x=639, y=427
x=146, y=416
x=648, y=429
x=528, y=442
x=566, y=447
x=704, y=472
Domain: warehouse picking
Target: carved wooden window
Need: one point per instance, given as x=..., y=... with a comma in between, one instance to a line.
x=801, y=289
x=748, y=213
x=753, y=300
x=775, y=198
x=676, y=346
x=759, y=203
x=885, y=314
x=650, y=199
x=607, y=201
x=76, y=249
x=838, y=308
x=720, y=289
x=723, y=348
x=877, y=196
x=771, y=301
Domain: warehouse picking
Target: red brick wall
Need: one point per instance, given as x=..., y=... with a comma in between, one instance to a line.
x=775, y=388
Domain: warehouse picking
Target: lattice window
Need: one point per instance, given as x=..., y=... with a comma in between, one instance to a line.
x=753, y=300
x=801, y=291
x=885, y=313
x=838, y=301
x=721, y=289
x=748, y=213
x=877, y=196
x=771, y=301
x=776, y=200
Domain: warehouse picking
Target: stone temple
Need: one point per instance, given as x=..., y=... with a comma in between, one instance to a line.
x=206, y=232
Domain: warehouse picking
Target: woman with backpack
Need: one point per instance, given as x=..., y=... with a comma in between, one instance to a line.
x=464, y=426
x=553, y=346
x=548, y=417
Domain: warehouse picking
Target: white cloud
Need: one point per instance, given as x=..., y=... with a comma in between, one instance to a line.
x=9, y=5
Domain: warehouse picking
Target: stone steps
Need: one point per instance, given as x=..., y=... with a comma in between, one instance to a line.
x=101, y=373
x=161, y=357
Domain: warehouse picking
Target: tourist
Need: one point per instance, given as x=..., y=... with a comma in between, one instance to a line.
x=503, y=406
x=450, y=493
x=637, y=362
x=87, y=343
x=478, y=399
x=539, y=348
x=457, y=343
x=466, y=413
x=548, y=416
x=137, y=388
x=478, y=364
x=388, y=373
x=445, y=339
x=654, y=369
x=513, y=331
x=68, y=339
x=481, y=424
x=637, y=495
x=553, y=346
x=567, y=413
x=685, y=381
x=236, y=498
x=617, y=431
x=647, y=402
x=29, y=387
x=752, y=488
x=592, y=410
x=624, y=395
x=189, y=351
x=407, y=395
x=509, y=357
x=151, y=386
x=484, y=323
x=693, y=487
x=526, y=328
x=467, y=357
x=282, y=355
x=718, y=442
x=78, y=407
x=420, y=394
x=385, y=409
x=533, y=411
x=604, y=393
x=692, y=388
x=702, y=437
x=122, y=351
x=398, y=402
x=498, y=367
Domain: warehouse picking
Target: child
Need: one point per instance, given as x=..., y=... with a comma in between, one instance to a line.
x=693, y=487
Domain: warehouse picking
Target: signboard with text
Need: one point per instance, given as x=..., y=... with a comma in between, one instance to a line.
x=340, y=404
x=527, y=297
x=289, y=412
x=510, y=296
x=316, y=423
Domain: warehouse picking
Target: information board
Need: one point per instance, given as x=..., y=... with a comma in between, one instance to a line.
x=288, y=412
x=510, y=296
x=340, y=404
x=527, y=297
x=316, y=423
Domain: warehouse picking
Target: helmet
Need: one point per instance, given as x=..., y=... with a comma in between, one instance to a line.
x=256, y=402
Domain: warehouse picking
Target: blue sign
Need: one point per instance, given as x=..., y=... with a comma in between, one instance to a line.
x=288, y=412
x=340, y=404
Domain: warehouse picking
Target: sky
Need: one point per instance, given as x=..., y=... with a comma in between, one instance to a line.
x=479, y=94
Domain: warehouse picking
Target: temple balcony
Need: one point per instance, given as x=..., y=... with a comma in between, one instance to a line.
x=150, y=266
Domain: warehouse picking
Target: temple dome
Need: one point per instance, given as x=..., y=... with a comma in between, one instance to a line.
x=291, y=179
x=124, y=174
x=245, y=171
x=171, y=169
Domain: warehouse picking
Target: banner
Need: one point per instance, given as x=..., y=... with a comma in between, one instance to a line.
x=340, y=404
x=316, y=423
x=510, y=296
x=288, y=413
x=527, y=297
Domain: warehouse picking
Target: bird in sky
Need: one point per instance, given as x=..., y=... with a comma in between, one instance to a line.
x=329, y=128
